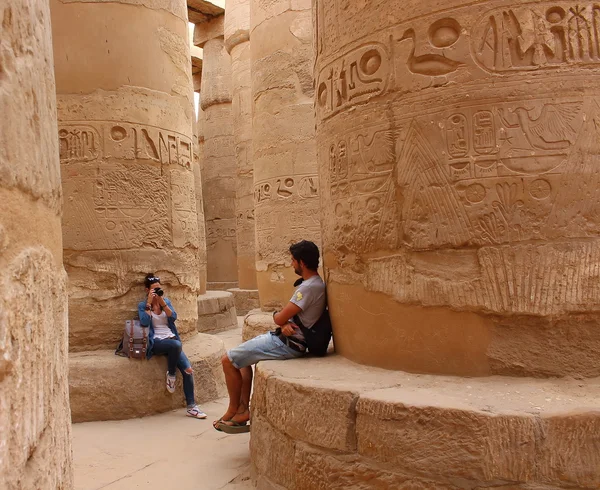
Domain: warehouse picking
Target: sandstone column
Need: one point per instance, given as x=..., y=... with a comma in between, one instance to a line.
x=284, y=152
x=198, y=157
x=219, y=156
x=35, y=445
x=125, y=110
x=459, y=155
x=237, y=36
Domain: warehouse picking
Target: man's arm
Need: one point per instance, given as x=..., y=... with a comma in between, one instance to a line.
x=282, y=317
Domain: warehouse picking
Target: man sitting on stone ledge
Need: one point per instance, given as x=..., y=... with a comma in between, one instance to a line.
x=287, y=342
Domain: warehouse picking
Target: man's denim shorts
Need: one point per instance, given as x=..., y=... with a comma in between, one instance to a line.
x=262, y=348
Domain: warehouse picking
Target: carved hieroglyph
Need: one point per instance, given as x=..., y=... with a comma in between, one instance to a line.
x=458, y=156
x=125, y=110
x=286, y=197
x=35, y=420
x=237, y=35
x=219, y=157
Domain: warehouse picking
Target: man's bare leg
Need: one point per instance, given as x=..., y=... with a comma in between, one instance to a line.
x=243, y=413
x=234, y=381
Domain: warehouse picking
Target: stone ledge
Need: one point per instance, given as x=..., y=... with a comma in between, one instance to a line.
x=103, y=386
x=257, y=322
x=216, y=312
x=245, y=300
x=368, y=426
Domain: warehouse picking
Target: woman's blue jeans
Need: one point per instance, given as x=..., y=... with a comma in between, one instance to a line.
x=176, y=359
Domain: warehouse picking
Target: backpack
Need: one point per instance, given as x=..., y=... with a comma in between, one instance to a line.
x=134, y=342
x=317, y=337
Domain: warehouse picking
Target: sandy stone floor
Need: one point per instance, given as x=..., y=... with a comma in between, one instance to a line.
x=167, y=451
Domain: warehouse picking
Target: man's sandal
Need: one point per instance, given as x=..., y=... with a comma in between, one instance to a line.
x=234, y=428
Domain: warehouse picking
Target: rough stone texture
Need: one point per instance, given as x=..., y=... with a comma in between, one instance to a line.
x=337, y=424
x=457, y=154
x=198, y=156
x=257, y=322
x=125, y=110
x=237, y=35
x=245, y=300
x=216, y=312
x=283, y=139
x=35, y=433
x=107, y=387
x=219, y=169
x=200, y=197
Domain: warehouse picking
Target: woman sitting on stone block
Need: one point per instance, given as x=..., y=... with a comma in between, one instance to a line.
x=158, y=313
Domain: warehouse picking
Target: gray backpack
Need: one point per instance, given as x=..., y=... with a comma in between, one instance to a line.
x=134, y=342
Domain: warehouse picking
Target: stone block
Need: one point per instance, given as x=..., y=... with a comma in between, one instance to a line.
x=324, y=470
x=206, y=31
x=245, y=299
x=216, y=311
x=570, y=449
x=103, y=386
x=317, y=415
x=441, y=436
x=272, y=453
x=256, y=323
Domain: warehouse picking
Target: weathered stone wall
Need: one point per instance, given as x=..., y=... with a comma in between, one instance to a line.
x=219, y=156
x=35, y=434
x=283, y=139
x=125, y=110
x=237, y=36
x=458, y=154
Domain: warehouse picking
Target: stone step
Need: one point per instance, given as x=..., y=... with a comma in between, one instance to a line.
x=103, y=386
x=216, y=312
x=332, y=424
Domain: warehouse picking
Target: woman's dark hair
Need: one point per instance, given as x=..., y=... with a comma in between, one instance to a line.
x=306, y=252
x=150, y=279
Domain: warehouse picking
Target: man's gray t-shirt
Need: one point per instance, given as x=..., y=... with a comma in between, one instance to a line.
x=311, y=297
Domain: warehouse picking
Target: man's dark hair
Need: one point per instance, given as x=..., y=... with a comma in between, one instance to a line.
x=150, y=279
x=306, y=252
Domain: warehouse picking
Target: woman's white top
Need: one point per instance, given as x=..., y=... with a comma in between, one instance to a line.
x=161, y=326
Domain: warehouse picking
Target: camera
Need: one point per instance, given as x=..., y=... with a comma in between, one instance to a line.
x=158, y=291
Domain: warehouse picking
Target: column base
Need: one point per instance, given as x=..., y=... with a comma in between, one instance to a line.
x=330, y=423
x=245, y=300
x=103, y=386
x=216, y=312
x=256, y=323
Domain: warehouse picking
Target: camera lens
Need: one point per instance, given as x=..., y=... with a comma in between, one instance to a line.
x=159, y=292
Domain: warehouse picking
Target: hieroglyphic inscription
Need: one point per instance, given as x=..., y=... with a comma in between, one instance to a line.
x=78, y=143
x=361, y=189
x=505, y=163
x=89, y=141
x=355, y=77
x=537, y=36
x=304, y=187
